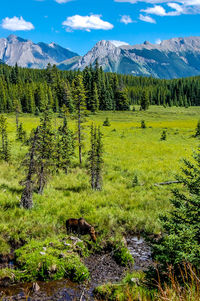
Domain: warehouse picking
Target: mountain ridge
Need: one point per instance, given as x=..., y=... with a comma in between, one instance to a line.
x=173, y=58
x=25, y=53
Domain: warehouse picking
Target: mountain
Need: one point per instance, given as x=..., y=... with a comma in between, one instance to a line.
x=178, y=57
x=174, y=58
x=27, y=54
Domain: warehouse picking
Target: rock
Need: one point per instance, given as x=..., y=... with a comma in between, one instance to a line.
x=135, y=280
x=35, y=287
x=75, y=239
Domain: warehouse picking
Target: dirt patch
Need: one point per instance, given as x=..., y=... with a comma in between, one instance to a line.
x=103, y=268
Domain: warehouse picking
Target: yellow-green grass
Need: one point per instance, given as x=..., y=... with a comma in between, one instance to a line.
x=119, y=207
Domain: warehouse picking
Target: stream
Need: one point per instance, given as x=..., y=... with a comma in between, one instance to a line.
x=103, y=269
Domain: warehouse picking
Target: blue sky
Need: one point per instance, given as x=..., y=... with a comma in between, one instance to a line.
x=79, y=24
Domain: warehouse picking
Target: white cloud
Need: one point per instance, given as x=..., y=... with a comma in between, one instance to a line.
x=176, y=8
x=147, y=19
x=118, y=43
x=63, y=1
x=86, y=23
x=16, y=23
x=156, y=10
x=126, y=19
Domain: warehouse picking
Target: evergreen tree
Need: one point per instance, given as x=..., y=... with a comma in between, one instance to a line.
x=181, y=238
x=44, y=150
x=144, y=100
x=4, y=145
x=21, y=133
x=99, y=161
x=80, y=106
x=95, y=158
x=65, y=146
x=30, y=163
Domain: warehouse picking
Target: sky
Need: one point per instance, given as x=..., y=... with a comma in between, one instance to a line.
x=79, y=24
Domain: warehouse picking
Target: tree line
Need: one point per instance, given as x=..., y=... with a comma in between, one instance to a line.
x=27, y=88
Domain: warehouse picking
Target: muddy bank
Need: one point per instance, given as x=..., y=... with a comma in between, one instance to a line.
x=103, y=268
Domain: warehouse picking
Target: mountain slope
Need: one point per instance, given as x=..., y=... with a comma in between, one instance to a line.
x=178, y=57
x=27, y=54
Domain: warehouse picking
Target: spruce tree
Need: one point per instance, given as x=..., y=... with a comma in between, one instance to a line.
x=65, y=146
x=180, y=241
x=44, y=150
x=95, y=158
x=92, y=156
x=99, y=161
x=4, y=143
x=31, y=165
x=144, y=105
x=80, y=107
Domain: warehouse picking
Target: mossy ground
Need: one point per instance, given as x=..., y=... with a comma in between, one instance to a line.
x=121, y=206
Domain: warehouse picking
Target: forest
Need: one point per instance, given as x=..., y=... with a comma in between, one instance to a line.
x=104, y=91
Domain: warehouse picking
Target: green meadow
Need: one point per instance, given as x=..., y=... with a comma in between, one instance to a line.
x=124, y=205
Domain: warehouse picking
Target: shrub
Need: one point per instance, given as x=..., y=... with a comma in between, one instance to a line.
x=143, y=125
x=106, y=122
x=163, y=136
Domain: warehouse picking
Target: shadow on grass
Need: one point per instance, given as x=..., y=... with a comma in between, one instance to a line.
x=73, y=189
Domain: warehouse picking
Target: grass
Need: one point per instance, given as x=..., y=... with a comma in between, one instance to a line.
x=120, y=207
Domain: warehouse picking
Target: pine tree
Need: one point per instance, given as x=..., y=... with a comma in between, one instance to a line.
x=65, y=146
x=4, y=145
x=99, y=161
x=44, y=150
x=144, y=100
x=17, y=109
x=80, y=106
x=92, y=156
x=31, y=163
x=181, y=238
x=95, y=159
x=21, y=133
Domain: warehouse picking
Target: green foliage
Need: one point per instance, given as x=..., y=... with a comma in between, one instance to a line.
x=95, y=158
x=181, y=239
x=79, y=96
x=65, y=146
x=130, y=288
x=122, y=254
x=106, y=122
x=51, y=259
x=21, y=133
x=4, y=143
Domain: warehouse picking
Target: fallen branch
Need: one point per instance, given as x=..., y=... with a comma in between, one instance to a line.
x=167, y=183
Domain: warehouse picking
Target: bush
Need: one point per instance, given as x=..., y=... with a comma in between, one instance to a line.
x=163, y=136
x=106, y=122
x=143, y=125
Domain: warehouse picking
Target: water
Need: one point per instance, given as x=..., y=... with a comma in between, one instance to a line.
x=102, y=268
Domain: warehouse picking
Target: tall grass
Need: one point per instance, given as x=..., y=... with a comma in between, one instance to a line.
x=120, y=207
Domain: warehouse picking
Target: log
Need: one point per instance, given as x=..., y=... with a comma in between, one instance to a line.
x=168, y=183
